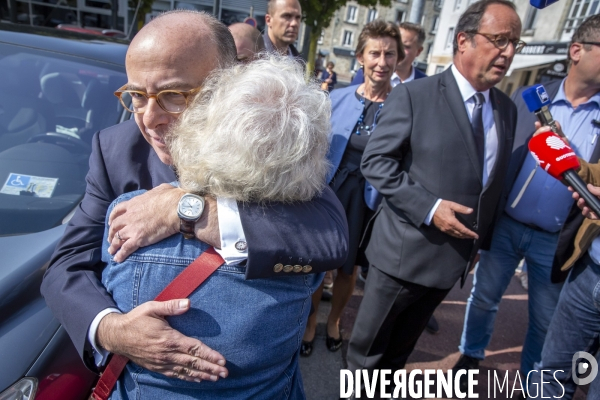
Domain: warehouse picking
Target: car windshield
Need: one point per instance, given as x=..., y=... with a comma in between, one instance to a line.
x=50, y=107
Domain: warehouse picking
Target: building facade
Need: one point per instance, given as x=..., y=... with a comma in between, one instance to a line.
x=98, y=13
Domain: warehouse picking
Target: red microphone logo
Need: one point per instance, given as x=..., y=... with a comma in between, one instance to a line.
x=553, y=154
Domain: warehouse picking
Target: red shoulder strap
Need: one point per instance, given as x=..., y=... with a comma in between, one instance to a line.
x=181, y=287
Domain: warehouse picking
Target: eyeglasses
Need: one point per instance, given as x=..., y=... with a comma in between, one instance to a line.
x=501, y=42
x=592, y=43
x=172, y=101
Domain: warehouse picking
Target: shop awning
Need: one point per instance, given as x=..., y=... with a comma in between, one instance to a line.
x=522, y=61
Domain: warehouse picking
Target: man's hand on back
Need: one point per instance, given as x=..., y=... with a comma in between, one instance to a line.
x=151, y=217
x=144, y=336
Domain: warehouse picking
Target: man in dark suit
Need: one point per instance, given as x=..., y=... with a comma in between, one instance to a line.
x=441, y=178
x=539, y=221
x=175, y=52
x=283, y=21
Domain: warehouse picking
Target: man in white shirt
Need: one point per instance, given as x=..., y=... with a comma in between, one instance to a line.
x=438, y=157
x=413, y=37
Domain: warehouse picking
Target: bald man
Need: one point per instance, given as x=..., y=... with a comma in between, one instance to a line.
x=248, y=41
x=174, y=52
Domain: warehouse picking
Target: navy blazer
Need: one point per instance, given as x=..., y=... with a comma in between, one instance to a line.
x=308, y=233
x=345, y=111
x=524, y=131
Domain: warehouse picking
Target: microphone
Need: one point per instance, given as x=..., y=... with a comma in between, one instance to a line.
x=541, y=3
x=537, y=101
x=558, y=159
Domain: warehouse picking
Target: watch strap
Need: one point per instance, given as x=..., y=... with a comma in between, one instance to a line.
x=187, y=228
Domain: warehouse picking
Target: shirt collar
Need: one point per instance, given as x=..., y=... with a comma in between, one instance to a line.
x=395, y=79
x=466, y=90
x=561, y=96
x=411, y=77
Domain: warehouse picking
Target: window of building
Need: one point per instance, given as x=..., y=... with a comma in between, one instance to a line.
x=450, y=39
x=579, y=11
x=457, y=4
x=530, y=20
x=428, y=52
x=351, y=13
x=439, y=69
x=321, y=38
x=399, y=16
x=348, y=38
x=435, y=23
x=371, y=15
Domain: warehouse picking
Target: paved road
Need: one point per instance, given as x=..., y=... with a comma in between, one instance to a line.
x=320, y=371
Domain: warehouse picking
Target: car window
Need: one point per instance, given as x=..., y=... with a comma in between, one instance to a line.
x=50, y=107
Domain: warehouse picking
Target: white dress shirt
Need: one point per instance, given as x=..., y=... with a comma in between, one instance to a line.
x=231, y=231
x=489, y=127
x=396, y=79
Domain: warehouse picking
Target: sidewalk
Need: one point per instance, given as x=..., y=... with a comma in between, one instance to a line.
x=320, y=371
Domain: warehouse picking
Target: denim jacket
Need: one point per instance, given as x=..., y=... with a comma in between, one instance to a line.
x=257, y=325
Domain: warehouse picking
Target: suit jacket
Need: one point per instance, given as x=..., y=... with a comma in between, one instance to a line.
x=345, y=111
x=423, y=149
x=523, y=132
x=310, y=233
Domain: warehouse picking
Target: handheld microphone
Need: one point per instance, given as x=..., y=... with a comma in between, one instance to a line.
x=559, y=160
x=537, y=101
x=541, y=3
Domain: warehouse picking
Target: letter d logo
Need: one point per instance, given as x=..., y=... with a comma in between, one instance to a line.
x=583, y=367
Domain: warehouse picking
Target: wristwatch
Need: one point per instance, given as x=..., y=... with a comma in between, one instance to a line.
x=189, y=211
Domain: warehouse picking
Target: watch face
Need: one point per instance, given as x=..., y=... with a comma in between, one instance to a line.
x=191, y=207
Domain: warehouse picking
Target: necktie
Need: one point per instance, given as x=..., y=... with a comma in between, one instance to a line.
x=477, y=125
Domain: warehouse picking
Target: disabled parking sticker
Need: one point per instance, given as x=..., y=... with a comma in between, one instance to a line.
x=28, y=185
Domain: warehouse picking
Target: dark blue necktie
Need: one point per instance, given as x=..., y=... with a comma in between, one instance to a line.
x=477, y=125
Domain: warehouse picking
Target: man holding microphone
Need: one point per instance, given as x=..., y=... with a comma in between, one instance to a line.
x=539, y=221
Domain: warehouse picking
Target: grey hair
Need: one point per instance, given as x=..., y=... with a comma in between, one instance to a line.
x=220, y=36
x=256, y=132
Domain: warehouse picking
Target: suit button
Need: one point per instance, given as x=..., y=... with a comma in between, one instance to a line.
x=297, y=268
x=278, y=267
x=288, y=268
x=306, y=269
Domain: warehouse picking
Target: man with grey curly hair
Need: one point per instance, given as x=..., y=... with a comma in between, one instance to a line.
x=273, y=148
x=167, y=63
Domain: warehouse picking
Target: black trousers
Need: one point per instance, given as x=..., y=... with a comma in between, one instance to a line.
x=391, y=317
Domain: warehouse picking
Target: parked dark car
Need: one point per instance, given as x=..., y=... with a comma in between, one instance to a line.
x=56, y=91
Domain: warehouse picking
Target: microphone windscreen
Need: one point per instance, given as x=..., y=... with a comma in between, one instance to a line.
x=553, y=154
x=535, y=97
x=541, y=3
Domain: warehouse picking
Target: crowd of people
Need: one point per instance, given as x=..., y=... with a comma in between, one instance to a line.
x=409, y=181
